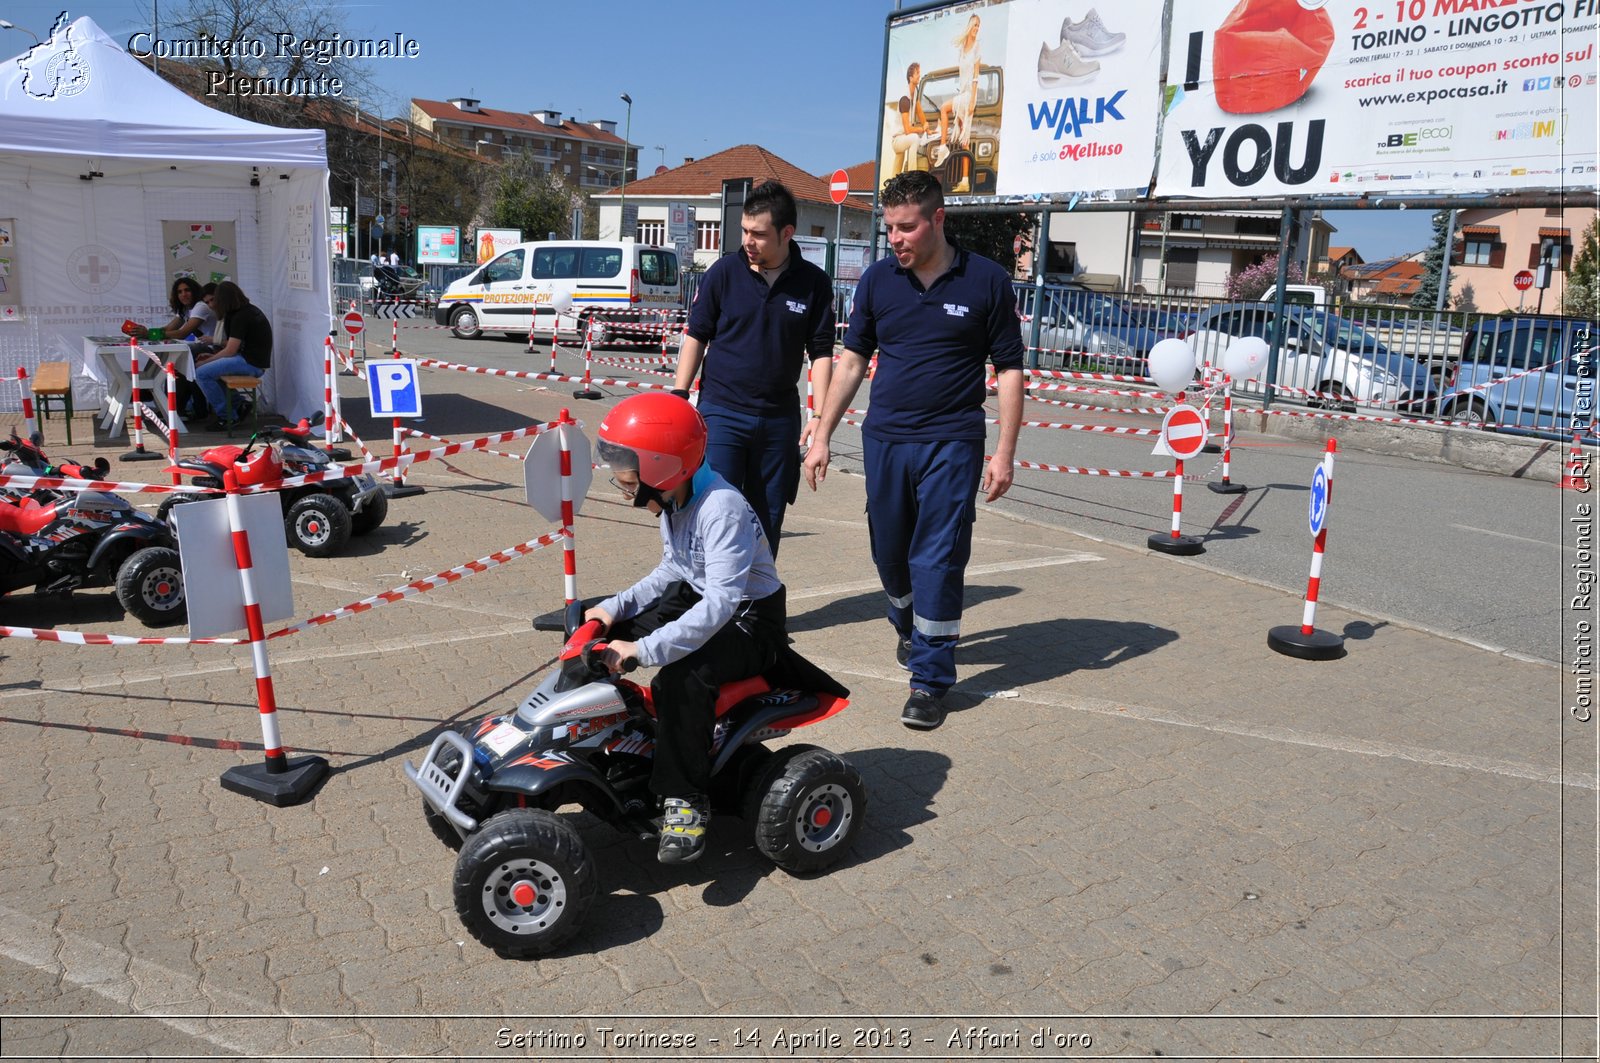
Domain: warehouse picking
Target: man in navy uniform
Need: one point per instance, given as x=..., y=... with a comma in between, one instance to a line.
x=935, y=313
x=760, y=311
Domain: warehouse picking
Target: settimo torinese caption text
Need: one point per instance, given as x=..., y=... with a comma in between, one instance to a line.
x=321, y=52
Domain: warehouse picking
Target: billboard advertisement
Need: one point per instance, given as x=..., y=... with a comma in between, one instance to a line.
x=438, y=243
x=1285, y=97
x=1021, y=99
x=493, y=241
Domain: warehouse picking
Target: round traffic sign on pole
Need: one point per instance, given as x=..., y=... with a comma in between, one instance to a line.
x=353, y=323
x=1183, y=431
x=839, y=186
x=1319, y=500
x=1523, y=280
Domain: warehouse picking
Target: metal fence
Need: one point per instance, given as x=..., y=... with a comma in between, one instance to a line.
x=1529, y=374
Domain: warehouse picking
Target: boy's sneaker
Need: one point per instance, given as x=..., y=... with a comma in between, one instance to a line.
x=924, y=710
x=683, y=829
x=902, y=653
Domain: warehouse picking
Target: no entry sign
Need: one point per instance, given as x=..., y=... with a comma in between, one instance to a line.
x=839, y=186
x=1184, y=431
x=353, y=324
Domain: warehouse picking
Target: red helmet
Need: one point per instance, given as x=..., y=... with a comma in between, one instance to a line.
x=659, y=436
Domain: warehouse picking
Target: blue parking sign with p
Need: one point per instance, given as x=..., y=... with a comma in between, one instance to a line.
x=393, y=388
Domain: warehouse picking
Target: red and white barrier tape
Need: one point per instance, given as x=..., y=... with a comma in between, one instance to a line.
x=442, y=439
x=1079, y=470
x=62, y=483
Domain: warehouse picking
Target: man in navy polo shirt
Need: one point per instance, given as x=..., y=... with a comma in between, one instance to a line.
x=759, y=311
x=934, y=313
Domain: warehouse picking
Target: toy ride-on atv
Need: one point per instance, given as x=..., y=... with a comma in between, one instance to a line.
x=318, y=518
x=524, y=878
x=61, y=541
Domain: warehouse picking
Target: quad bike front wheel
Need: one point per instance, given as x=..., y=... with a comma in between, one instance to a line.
x=523, y=882
x=812, y=803
x=150, y=586
x=318, y=525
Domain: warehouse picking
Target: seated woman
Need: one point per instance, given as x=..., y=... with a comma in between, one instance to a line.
x=247, y=350
x=190, y=314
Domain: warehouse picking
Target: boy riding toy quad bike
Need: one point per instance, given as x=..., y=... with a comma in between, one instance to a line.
x=61, y=541
x=524, y=878
x=711, y=617
x=318, y=518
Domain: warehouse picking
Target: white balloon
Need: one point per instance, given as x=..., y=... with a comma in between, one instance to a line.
x=561, y=302
x=1172, y=365
x=1244, y=357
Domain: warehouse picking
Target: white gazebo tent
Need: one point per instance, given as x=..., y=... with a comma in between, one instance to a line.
x=96, y=153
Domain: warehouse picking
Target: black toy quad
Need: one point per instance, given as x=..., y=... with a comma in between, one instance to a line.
x=524, y=877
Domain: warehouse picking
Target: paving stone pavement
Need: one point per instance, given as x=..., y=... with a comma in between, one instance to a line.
x=1141, y=833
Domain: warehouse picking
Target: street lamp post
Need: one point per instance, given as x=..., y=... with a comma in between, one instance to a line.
x=627, y=134
x=6, y=24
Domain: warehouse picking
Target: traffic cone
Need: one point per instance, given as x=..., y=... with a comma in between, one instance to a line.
x=1576, y=476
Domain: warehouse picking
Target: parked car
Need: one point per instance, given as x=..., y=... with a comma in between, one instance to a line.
x=1078, y=319
x=1524, y=373
x=1322, y=353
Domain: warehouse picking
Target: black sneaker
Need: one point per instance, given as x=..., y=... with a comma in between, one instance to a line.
x=924, y=710
x=902, y=653
x=683, y=829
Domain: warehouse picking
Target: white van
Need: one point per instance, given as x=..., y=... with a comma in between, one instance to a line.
x=512, y=293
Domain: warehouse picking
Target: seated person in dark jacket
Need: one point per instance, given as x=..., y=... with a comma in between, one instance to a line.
x=247, y=351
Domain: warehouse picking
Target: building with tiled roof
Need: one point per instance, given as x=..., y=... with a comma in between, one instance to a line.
x=589, y=155
x=1490, y=247
x=698, y=183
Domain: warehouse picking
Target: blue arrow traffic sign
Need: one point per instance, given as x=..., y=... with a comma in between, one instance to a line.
x=1319, y=500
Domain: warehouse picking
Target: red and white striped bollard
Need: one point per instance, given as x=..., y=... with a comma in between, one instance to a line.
x=1305, y=641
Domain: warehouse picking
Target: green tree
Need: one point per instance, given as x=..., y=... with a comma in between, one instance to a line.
x=1427, y=296
x=522, y=196
x=1582, y=298
x=993, y=236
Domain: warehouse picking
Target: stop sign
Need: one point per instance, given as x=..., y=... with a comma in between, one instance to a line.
x=1523, y=280
x=404, y=211
x=353, y=323
x=1184, y=431
x=839, y=186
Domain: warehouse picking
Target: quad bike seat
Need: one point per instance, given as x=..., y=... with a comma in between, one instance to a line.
x=25, y=516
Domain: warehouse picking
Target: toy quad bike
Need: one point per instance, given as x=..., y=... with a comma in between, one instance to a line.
x=318, y=518
x=524, y=878
x=61, y=541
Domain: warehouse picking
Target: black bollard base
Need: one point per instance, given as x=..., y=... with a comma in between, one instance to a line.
x=1167, y=543
x=1211, y=448
x=402, y=490
x=1227, y=487
x=1320, y=645
x=587, y=393
x=142, y=454
x=283, y=788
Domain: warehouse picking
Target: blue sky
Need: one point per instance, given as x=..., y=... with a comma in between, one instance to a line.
x=800, y=79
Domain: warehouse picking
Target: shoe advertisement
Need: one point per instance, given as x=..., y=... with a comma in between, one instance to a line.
x=1083, y=81
x=1270, y=97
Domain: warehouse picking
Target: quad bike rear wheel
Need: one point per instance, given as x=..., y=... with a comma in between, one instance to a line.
x=150, y=586
x=812, y=803
x=523, y=882
x=318, y=525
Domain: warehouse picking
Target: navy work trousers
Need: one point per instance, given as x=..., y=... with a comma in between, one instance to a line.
x=760, y=455
x=920, y=507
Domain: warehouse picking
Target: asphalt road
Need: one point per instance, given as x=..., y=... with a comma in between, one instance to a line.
x=1473, y=555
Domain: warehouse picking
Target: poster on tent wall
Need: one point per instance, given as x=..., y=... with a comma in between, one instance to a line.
x=1024, y=97
x=1269, y=97
x=10, y=276
x=297, y=272
x=204, y=251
